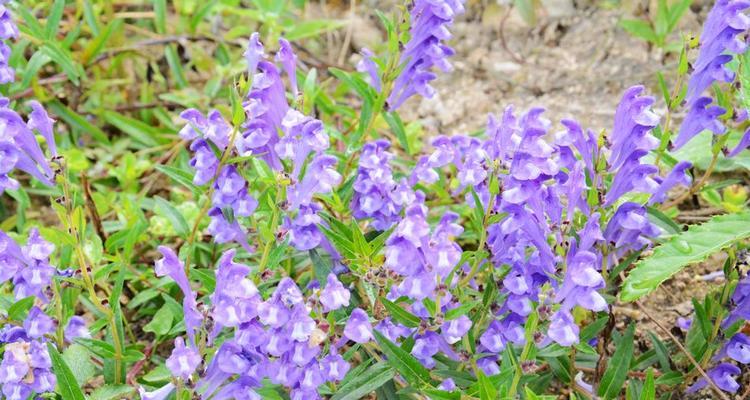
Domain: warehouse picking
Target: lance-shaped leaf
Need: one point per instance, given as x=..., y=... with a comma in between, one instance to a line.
x=691, y=246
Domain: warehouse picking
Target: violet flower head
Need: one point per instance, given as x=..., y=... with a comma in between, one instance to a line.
x=288, y=60
x=37, y=323
x=265, y=108
x=562, y=329
x=374, y=187
x=76, y=328
x=367, y=65
x=738, y=348
x=699, y=118
x=254, y=53
x=358, y=328
x=334, y=295
x=743, y=144
x=204, y=162
x=720, y=38
x=40, y=121
x=20, y=150
x=430, y=20
x=183, y=361
x=170, y=265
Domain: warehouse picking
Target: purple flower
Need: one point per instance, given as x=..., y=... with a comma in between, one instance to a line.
x=358, y=328
x=367, y=65
x=700, y=117
x=204, y=162
x=562, y=329
x=455, y=329
x=430, y=20
x=8, y=28
x=334, y=367
x=254, y=53
x=171, y=265
x=724, y=23
x=288, y=60
x=213, y=128
x=183, y=361
x=158, y=394
x=374, y=186
x=265, y=108
x=743, y=144
x=42, y=123
x=738, y=348
x=76, y=328
x=677, y=176
x=334, y=295
x=629, y=228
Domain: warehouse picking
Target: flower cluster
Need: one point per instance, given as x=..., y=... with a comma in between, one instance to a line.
x=737, y=348
x=377, y=195
x=19, y=148
x=425, y=49
x=8, y=30
x=284, y=338
x=267, y=113
x=27, y=267
x=26, y=367
x=720, y=38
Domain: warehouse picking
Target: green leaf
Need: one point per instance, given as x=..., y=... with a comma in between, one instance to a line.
x=691, y=246
x=63, y=59
x=618, y=366
x=112, y=392
x=321, y=269
x=365, y=382
x=19, y=309
x=649, y=387
x=399, y=314
x=410, y=369
x=306, y=29
x=663, y=221
x=180, y=176
x=160, y=10
x=77, y=121
x=78, y=359
x=174, y=216
x=138, y=130
x=175, y=65
x=397, y=126
x=463, y=309
x=66, y=381
x=53, y=18
x=487, y=391
x=161, y=323
x=527, y=9
x=640, y=29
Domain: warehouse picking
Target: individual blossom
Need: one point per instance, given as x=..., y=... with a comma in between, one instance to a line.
x=76, y=328
x=254, y=53
x=170, y=265
x=334, y=295
x=700, y=117
x=367, y=65
x=743, y=144
x=425, y=49
x=288, y=60
x=183, y=361
x=358, y=327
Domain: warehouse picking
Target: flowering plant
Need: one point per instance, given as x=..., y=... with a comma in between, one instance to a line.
x=304, y=249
